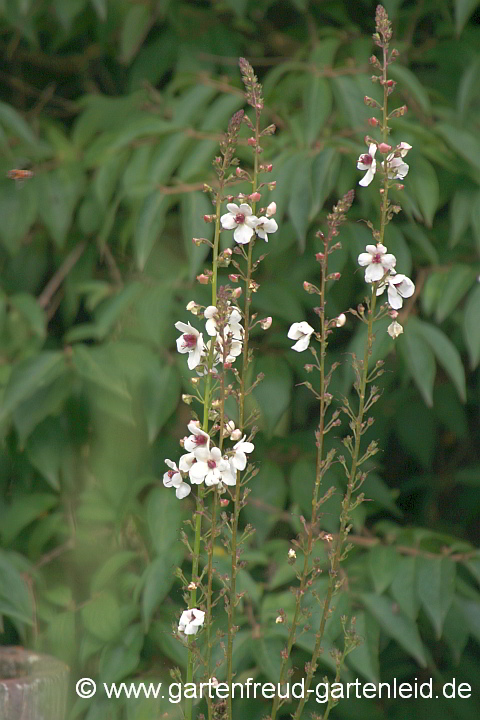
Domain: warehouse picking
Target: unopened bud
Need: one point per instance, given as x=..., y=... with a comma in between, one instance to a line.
x=272, y=185
x=199, y=241
x=341, y=320
x=292, y=554
x=390, y=83
x=227, y=252
x=373, y=121
x=384, y=147
x=334, y=276
x=308, y=368
x=393, y=314
x=308, y=287
x=267, y=168
x=191, y=306
x=209, y=218
x=236, y=293
x=269, y=130
x=191, y=586
x=251, y=141
x=187, y=399
x=266, y=323
x=394, y=329
x=224, y=502
x=195, y=380
x=255, y=197
x=203, y=279
x=370, y=102
x=236, y=435
x=319, y=257
x=399, y=186
x=279, y=620
x=229, y=427
x=233, y=277
x=271, y=209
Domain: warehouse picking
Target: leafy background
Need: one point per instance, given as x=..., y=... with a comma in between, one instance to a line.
x=117, y=106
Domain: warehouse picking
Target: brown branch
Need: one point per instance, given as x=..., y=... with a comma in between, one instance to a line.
x=56, y=280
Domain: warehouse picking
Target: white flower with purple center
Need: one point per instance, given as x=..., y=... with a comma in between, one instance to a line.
x=241, y=220
x=240, y=452
x=191, y=342
x=398, y=288
x=265, y=227
x=191, y=621
x=377, y=262
x=198, y=438
x=367, y=162
x=301, y=332
x=211, y=468
x=173, y=478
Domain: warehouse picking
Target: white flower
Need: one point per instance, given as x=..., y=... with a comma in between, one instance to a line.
x=271, y=209
x=397, y=169
x=302, y=332
x=241, y=220
x=198, y=438
x=340, y=320
x=191, y=621
x=395, y=329
x=186, y=461
x=367, y=162
x=399, y=287
x=191, y=342
x=266, y=225
x=173, y=478
x=239, y=458
x=211, y=324
x=377, y=262
x=211, y=468
x=234, y=325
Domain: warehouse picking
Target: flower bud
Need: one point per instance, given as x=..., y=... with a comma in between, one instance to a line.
x=370, y=102
x=399, y=186
x=233, y=277
x=229, y=427
x=271, y=209
x=187, y=399
x=252, y=142
x=270, y=130
x=334, y=276
x=191, y=306
x=236, y=293
x=279, y=620
x=266, y=323
x=394, y=329
x=238, y=172
x=255, y=197
x=267, y=168
x=224, y=502
x=199, y=241
x=292, y=554
x=272, y=185
x=384, y=147
x=373, y=121
x=203, y=279
x=393, y=314
x=319, y=257
x=195, y=380
x=236, y=435
x=390, y=83
x=308, y=287
x=209, y=218
x=341, y=320
x=192, y=586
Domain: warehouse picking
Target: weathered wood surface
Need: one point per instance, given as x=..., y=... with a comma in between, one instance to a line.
x=32, y=686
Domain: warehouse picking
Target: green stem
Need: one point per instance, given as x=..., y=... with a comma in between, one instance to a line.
x=318, y=478
x=241, y=413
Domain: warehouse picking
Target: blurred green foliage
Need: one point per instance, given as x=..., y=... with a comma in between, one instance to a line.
x=117, y=106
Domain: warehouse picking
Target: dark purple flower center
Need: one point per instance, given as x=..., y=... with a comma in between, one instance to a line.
x=212, y=464
x=189, y=341
x=377, y=258
x=239, y=218
x=171, y=473
x=200, y=440
x=366, y=159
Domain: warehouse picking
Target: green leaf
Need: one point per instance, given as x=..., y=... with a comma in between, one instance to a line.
x=122, y=658
x=267, y=652
x=382, y=560
x=458, y=281
x=466, y=144
x=92, y=365
x=14, y=122
x=161, y=392
x=29, y=376
x=325, y=168
x=15, y=599
x=404, y=586
x=468, y=87
x=463, y=10
x=455, y=631
x=18, y=210
x=110, y=568
x=424, y=186
x=59, y=193
x=301, y=199
x=436, y=587
x=420, y=361
x=460, y=212
x=100, y=8
x=165, y=514
x=49, y=451
x=101, y=616
x=22, y=511
x=46, y=401
x=274, y=392
x=28, y=306
x=364, y=659
x=134, y=30
x=267, y=493
x=471, y=326
x=317, y=105
x=409, y=82
x=159, y=578
x=446, y=353
x=149, y=226
x=475, y=218
x=194, y=206
x=396, y=625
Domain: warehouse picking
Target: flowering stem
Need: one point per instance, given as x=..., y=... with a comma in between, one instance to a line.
x=300, y=592
x=201, y=490
x=241, y=413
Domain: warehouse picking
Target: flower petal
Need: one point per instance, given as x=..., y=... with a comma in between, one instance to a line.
x=243, y=234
